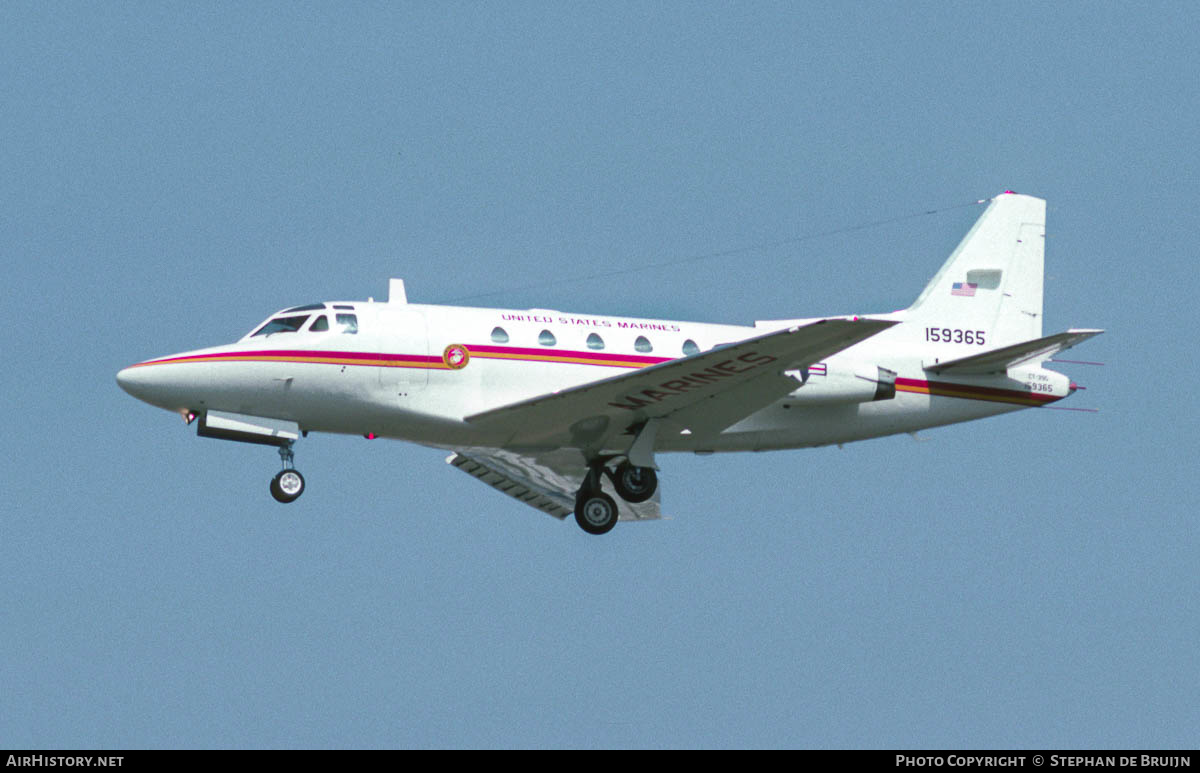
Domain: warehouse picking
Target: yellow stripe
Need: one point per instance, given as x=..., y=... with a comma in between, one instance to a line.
x=400, y=363
x=308, y=360
x=967, y=395
x=552, y=358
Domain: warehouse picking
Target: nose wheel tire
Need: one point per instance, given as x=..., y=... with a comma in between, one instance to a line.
x=287, y=486
x=635, y=484
x=596, y=513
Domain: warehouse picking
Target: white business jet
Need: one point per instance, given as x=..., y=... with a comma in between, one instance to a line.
x=566, y=412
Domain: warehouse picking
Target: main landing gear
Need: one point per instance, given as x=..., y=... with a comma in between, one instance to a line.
x=595, y=511
x=288, y=484
x=634, y=484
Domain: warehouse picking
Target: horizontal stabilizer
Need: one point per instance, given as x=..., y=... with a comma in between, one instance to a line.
x=1000, y=360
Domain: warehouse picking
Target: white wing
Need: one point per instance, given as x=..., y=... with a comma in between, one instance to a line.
x=704, y=393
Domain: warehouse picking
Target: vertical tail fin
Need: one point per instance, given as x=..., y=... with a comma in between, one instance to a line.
x=993, y=279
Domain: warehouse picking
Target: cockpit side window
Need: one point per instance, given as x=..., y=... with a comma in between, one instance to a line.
x=347, y=323
x=282, y=325
x=320, y=324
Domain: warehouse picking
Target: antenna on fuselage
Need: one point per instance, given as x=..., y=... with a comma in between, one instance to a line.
x=396, y=292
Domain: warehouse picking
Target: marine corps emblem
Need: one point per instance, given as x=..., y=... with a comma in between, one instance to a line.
x=456, y=356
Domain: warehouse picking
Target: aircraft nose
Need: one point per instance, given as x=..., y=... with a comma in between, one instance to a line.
x=150, y=383
x=133, y=380
x=157, y=385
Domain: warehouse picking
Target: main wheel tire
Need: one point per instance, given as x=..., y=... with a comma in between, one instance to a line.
x=596, y=513
x=635, y=484
x=287, y=486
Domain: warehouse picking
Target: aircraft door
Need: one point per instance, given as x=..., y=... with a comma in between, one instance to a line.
x=402, y=332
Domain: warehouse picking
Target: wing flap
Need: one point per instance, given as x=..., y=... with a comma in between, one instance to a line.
x=546, y=481
x=548, y=501
x=1000, y=360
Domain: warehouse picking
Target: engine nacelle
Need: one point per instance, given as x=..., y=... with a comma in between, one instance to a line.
x=849, y=383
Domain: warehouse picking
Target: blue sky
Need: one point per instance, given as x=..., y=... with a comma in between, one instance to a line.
x=173, y=173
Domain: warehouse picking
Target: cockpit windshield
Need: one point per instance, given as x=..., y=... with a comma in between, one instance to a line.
x=282, y=325
x=288, y=321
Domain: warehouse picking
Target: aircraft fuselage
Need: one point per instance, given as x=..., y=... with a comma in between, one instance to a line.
x=395, y=378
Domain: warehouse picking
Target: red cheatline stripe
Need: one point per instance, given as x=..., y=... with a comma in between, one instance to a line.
x=380, y=359
x=303, y=355
x=556, y=354
x=970, y=392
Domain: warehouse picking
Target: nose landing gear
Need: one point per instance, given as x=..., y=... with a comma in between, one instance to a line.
x=288, y=484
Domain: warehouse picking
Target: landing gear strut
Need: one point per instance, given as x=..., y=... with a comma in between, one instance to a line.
x=595, y=511
x=288, y=484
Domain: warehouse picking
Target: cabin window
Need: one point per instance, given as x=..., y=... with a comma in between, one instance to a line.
x=344, y=306
x=347, y=323
x=282, y=325
x=499, y=335
x=595, y=342
x=642, y=344
x=546, y=338
x=319, y=325
x=309, y=307
x=690, y=348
